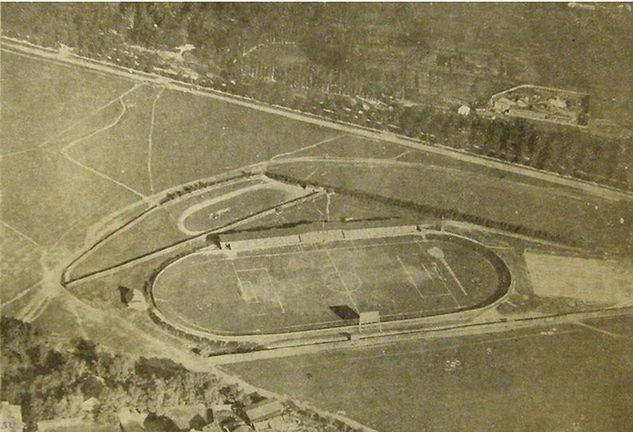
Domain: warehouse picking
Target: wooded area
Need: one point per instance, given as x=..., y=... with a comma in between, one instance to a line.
x=354, y=52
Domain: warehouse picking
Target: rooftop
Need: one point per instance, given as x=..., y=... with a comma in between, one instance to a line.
x=313, y=227
x=263, y=410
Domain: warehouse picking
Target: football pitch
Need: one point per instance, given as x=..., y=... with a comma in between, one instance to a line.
x=305, y=287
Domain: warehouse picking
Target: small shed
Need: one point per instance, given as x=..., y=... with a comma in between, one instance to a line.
x=463, y=110
x=262, y=415
x=190, y=417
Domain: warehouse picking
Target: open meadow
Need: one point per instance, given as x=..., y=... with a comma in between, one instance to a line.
x=596, y=222
x=555, y=379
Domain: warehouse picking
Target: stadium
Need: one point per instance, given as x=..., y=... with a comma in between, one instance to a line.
x=311, y=277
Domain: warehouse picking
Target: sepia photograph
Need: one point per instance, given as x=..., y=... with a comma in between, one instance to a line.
x=316, y=217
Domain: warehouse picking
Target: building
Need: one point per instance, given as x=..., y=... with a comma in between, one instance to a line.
x=10, y=417
x=190, y=417
x=464, y=110
x=265, y=415
x=314, y=234
x=543, y=103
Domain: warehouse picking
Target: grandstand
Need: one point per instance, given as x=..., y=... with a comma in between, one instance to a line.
x=314, y=233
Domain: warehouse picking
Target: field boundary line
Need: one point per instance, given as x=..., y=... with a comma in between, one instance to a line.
x=119, y=98
x=149, y=140
x=21, y=294
x=21, y=234
x=105, y=177
x=240, y=285
x=599, y=330
x=325, y=141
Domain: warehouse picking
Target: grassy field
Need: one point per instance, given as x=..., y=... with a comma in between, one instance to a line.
x=45, y=195
x=352, y=147
x=50, y=96
x=291, y=288
x=565, y=379
x=126, y=143
x=595, y=281
x=20, y=266
x=198, y=137
x=170, y=224
x=590, y=220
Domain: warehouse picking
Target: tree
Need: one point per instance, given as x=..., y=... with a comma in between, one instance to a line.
x=86, y=350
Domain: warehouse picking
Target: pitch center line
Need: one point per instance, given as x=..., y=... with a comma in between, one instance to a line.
x=406, y=272
x=272, y=287
x=338, y=273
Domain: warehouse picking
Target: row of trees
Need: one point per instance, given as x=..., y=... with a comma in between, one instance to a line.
x=330, y=38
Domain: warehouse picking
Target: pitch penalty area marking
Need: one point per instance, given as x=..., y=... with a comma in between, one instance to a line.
x=248, y=289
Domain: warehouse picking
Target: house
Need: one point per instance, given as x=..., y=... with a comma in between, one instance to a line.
x=190, y=417
x=464, y=110
x=212, y=427
x=264, y=415
x=236, y=427
x=160, y=423
x=503, y=105
x=222, y=407
x=10, y=417
x=543, y=103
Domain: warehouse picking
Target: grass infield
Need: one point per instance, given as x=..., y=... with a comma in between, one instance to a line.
x=313, y=286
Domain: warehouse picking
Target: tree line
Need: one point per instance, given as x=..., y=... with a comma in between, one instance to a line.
x=332, y=37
